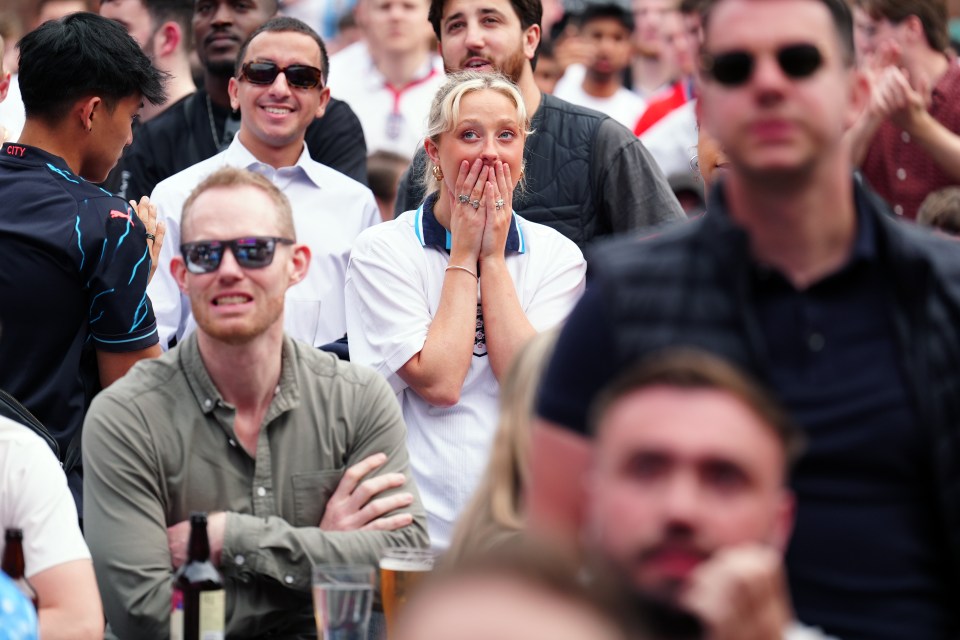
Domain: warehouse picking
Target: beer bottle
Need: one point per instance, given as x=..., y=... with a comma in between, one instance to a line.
x=197, y=605
x=15, y=566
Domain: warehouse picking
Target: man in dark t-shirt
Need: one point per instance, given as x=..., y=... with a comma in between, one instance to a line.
x=202, y=124
x=74, y=260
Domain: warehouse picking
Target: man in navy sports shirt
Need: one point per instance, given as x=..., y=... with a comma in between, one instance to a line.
x=74, y=260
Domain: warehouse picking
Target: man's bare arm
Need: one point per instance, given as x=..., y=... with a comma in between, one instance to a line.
x=114, y=366
x=70, y=606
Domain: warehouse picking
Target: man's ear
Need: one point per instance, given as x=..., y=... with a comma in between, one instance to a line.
x=299, y=263
x=531, y=40
x=167, y=38
x=89, y=109
x=233, y=90
x=859, y=97
x=324, y=101
x=784, y=519
x=4, y=85
x=914, y=27
x=179, y=270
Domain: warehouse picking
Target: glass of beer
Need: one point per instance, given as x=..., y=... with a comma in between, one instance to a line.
x=401, y=568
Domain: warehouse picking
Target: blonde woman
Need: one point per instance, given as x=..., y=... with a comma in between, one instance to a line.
x=440, y=300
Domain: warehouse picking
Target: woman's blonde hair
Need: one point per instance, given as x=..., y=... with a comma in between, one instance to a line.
x=445, y=109
x=495, y=512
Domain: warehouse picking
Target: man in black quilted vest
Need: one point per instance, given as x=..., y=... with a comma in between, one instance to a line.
x=587, y=176
x=803, y=278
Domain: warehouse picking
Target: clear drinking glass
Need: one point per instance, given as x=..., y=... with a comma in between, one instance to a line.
x=342, y=597
x=401, y=568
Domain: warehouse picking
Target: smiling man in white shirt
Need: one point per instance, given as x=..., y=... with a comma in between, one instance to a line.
x=279, y=89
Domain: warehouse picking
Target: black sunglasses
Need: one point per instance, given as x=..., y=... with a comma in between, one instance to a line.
x=300, y=76
x=250, y=253
x=734, y=68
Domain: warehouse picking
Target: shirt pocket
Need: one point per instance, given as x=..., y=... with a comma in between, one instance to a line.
x=311, y=491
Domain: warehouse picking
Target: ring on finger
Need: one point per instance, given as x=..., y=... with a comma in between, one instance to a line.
x=463, y=198
x=151, y=237
x=499, y=204
x=475, y=204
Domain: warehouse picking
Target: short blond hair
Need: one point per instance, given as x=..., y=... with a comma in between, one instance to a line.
x=233, y=177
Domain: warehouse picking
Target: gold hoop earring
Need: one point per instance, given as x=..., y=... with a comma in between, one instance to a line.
x=437, y=173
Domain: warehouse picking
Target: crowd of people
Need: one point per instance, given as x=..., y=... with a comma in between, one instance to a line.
x=330, y=286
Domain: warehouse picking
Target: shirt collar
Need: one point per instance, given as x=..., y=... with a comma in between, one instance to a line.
x=432, y=233
x=864, y=242
x=237, y=155
x=207, y=395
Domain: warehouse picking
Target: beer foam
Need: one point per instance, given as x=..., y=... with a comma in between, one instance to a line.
x=405, y=564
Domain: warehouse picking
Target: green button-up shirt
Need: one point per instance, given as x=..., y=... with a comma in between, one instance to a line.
x=159, y=444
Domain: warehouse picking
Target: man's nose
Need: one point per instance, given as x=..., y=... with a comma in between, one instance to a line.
x=223, y=14
x=229, y=268
x=682, y=500
x=280, y=86
x=474, y=36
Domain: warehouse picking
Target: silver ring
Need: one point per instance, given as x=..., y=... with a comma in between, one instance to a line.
x=499, y=204
x=475, y=204
x=464, y=199
x=152, y=237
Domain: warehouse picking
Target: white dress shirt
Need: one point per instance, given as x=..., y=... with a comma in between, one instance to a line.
x=329, y=212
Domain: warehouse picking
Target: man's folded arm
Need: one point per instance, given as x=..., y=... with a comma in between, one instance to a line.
x=273, y=547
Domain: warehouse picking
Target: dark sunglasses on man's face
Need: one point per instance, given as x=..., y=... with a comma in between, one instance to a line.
x=734, y=68
x=300, y=76
x=250, y=253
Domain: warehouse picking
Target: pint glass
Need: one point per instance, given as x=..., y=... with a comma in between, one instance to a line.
x=401, y=568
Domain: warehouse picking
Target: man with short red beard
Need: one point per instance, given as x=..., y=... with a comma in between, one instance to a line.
x=687, y=495
x=299, y=458
x=587, y=175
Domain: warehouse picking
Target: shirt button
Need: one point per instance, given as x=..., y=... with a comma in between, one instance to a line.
x=239, y=560
x=288, y=579
x=897, y=209
x=232, y=442
x=207, y=403
x=261, y=491
x=905, y=136
x=901, y=174
x=815, y=341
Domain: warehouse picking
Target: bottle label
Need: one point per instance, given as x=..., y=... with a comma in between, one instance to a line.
x=212, y=615
x=176, y=615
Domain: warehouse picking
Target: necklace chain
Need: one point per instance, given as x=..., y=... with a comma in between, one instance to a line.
x=213, y=124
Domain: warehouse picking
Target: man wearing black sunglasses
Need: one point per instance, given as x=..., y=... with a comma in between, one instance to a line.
x=204, y=123
x=298, y=458
x=279, y=89
x=804, y=279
